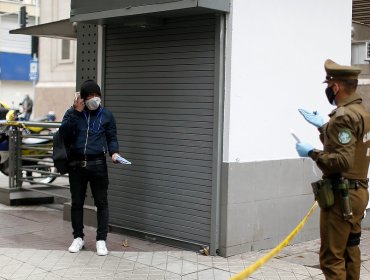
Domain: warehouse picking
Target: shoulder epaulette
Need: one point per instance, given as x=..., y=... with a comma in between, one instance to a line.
x=341, y=111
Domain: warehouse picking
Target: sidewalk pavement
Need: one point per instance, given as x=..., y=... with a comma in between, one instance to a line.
x=34, y=242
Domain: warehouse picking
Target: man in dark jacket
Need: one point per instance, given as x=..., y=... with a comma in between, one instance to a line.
x=90, y=132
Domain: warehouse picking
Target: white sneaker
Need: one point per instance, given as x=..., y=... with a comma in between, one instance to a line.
x=76, y=245
x=101, y=248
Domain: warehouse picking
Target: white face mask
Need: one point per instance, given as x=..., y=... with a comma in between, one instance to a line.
x=93, y=103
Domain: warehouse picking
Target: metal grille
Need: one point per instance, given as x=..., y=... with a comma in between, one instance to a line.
x=361, y=11
x=159, y=83
x=87, y=52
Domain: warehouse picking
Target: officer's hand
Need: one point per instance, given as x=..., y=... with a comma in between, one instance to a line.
x=78, y=103
x=313, y=118
x=303, y=149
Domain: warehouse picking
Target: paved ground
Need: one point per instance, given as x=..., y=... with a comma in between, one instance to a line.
x=34, y=239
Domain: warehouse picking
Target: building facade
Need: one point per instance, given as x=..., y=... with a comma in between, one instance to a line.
x=15, y=53
x=57, y=79
x=205, y=95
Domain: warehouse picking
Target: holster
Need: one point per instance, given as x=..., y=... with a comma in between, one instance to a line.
x=323, y=191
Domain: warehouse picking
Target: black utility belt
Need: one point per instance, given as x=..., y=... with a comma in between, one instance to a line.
x=85, y=163
x=353, y=183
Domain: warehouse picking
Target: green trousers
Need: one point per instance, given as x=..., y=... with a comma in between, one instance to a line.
x=338, y=261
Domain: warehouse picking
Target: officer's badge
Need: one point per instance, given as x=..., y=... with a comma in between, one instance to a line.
x=344, y=136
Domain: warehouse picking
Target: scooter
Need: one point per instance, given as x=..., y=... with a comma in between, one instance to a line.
x=35, y=160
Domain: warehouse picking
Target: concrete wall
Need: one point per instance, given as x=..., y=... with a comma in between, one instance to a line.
x=274, y=65
x=262, y=202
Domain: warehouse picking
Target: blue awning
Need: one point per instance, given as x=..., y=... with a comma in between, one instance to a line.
x=15, y=66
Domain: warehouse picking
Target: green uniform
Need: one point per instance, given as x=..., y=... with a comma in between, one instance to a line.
x=346, y=139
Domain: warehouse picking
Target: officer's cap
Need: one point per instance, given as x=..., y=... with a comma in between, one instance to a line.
x=89, y=87
x=335, y=71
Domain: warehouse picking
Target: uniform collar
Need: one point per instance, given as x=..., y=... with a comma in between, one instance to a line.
x=353, y=98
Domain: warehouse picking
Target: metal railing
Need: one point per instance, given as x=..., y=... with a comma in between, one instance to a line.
x=30, y=164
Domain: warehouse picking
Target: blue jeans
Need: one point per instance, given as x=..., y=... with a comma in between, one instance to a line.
x=97, y=176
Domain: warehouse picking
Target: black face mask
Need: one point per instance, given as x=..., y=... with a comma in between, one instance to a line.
x=330, y=94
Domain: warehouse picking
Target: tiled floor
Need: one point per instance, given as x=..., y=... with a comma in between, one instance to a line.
x=33, y=242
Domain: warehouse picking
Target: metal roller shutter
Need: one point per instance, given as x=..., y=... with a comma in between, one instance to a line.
x=159, y=83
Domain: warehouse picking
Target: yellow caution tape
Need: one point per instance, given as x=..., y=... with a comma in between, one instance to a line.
x=253, y=267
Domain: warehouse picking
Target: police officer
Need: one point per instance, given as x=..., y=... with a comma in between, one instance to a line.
x=344, y=158
x=90, y=132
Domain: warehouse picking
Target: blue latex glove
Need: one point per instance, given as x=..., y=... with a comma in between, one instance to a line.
x=303, y=148
x=313, y=118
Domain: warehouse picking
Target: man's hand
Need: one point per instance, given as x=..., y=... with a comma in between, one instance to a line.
x=303, y=149
x=114, y=157
x=313, y=118
x=78, y=103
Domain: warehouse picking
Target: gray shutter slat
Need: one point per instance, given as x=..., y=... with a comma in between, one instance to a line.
x=161, y=104
x=159, y=98
x=178, y=145
x=166, y=39
x=192, y=164
x=159, y=84
x=183, y=206
x=151, y=56
x=159, y=62
x=132, y=185
x=157, y=183
x=158, y=217
x=157, y=128
x=135, y=191
x=188, y=29
x=120, y=44
x=163, y=80
x=162, y=74
x=160, y=68
x=195, y=112
x=116, y=50
x=165, y=123
x=180, y=176
x=168, y=173
x=202, y=221
x=161, y=117
x=167, y=145
x=197, y=158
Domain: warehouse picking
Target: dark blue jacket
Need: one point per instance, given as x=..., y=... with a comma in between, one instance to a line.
x=93, y=140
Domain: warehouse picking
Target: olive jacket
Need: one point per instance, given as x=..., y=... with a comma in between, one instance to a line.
x=346, y=140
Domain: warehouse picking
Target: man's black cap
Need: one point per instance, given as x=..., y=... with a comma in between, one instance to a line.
x=89, y=87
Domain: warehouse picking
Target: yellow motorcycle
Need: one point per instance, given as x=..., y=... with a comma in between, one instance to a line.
x=37, y=164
